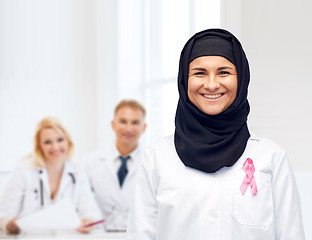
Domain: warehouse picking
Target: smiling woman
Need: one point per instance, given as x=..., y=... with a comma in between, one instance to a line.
x=52, y=141
x=54, y=145
x=212, y=84
x=212, y=179
x=46, y=177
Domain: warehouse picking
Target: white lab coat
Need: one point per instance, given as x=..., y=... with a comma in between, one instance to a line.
x=22, y=195
x=172, y=201
x=113, y=200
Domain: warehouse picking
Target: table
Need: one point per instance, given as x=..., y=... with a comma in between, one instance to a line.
x=68, y=234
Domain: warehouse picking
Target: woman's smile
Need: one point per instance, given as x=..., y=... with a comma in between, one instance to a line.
x=212, y=96
x=212, y=84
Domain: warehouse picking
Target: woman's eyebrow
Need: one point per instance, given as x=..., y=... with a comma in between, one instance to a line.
x=203, y=69
x=224, y=68
x=198, y=69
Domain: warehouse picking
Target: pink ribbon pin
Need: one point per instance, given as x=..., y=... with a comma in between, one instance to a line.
x=249, y=179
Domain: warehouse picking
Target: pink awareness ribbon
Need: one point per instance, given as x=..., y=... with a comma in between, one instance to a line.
x=249, y=179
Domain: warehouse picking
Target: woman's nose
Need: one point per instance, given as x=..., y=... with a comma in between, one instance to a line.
x=55, y=146
x=211, y=83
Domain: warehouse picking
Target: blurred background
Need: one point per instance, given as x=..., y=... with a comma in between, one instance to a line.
x=75, y=59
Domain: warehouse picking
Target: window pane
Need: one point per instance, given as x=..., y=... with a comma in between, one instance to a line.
x=161, y=104
x=158, y=36
x=205, y=14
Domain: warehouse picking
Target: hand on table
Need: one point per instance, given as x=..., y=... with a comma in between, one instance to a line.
x=82, y=228
x=12, y=227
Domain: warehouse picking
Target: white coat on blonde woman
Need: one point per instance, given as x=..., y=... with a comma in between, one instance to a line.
x=22, y=195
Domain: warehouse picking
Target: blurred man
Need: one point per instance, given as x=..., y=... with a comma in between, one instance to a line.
x=112, y=171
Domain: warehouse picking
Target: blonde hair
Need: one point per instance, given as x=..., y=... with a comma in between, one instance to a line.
x=54, y=123
x=131, y=103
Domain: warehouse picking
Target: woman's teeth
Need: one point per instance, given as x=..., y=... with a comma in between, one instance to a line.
x=212, y=96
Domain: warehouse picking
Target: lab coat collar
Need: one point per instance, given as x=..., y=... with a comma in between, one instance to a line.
x=136, y=158
x=65, y=180
x=68, y=168
x=135, y=155
x=113, y=153
x=254, y=137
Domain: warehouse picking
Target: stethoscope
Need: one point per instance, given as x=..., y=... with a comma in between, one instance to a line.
x=41, y=186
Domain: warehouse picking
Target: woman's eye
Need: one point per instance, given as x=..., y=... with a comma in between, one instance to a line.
x=60, y=139
x=47, y=142
x=224, y=73
x=199, y=73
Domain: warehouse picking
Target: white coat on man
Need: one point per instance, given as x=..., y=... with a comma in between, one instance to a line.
x=24, y=194
x=172, y=201
x=101, y=168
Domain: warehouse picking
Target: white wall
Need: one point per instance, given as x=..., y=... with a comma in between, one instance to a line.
x=106, y=78
x=56, y=59
x=38, y=69
x=277, y=37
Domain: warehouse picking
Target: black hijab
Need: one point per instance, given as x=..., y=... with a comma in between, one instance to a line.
x=210, y=142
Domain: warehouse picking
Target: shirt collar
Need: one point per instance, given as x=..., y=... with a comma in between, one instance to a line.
x=134, y=154
x=68, y=168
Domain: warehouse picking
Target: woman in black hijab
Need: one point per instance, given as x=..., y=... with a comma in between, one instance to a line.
x=212, y=179
x=216, y=140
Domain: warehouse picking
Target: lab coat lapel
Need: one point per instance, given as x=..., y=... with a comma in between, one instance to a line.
x=45, y=189
x=117, y=193
x=66, y=179
x=136, y=157
x=109, y=161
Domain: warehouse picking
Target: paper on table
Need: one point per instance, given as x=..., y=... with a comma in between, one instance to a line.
x=61, y=215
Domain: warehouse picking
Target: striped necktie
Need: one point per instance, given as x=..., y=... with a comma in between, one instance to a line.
x=122, y=171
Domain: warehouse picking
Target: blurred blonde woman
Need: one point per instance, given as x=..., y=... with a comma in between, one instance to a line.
x=45, y=177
